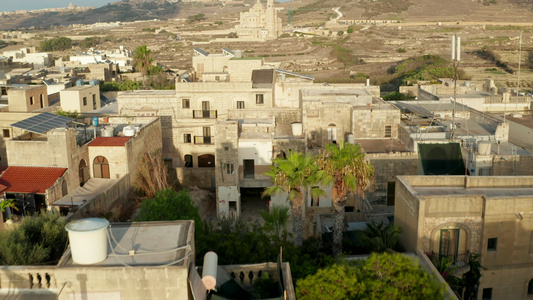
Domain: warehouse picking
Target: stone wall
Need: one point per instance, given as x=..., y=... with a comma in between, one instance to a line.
x=93, y=283
x=109, y=200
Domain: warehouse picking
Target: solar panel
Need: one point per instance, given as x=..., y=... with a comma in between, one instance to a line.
x=42, y=122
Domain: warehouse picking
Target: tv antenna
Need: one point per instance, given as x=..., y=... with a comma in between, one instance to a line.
x=456, y=57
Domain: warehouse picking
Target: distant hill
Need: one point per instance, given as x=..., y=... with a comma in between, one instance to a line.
x=416, y=10
x=117, y=11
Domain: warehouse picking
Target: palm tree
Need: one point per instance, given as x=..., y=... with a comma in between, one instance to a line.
x=343, y=167
x=142, y=59
x=382, y=237
x=276, y=220
x=293, y=175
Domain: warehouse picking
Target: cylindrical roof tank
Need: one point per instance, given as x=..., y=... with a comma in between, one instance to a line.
x=88, y=240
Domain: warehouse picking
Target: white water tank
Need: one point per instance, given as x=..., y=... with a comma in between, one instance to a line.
x=297, y=129
x=483, y=147
x=107, y=132
x=237, y=53
x=88, y=240
x=209, y=270
x=128, y=131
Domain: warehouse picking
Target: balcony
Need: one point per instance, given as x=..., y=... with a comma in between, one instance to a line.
x=204, y=140
x=204, y=114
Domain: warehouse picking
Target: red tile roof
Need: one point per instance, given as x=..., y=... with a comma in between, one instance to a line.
x=115, y=141
x=34, y=180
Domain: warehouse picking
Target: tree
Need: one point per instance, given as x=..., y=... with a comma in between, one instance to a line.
x=382, y=237
x=57, y=44
x=293, y=175
x=89, y=42
x=380, y=276
x=345, y=170
x=169, y=205
x=142, y=59
x=39, y=239
x=276, y=220
x=152, y=174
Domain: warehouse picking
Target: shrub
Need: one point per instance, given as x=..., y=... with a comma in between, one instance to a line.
x=169, y=205
x=38, y=240
x=57, y=44
x=401, y=50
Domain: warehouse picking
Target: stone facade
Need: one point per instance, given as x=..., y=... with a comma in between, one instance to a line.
x=28, y=98
x=80, y=99
x=491, y=216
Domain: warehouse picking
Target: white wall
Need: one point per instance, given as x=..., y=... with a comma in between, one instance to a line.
x=225, y=195
x=259, y=151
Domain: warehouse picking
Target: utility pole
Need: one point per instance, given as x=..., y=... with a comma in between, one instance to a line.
x=518, y=81
x=456, y=57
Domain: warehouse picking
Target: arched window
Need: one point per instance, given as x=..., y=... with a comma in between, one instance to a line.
x=83, y=172
x=101, y=167
x=206, y=161
x=188, y=161
x=530, y=287
x=332, y=133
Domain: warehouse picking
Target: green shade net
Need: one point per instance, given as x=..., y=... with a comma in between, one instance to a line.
x=441, y=159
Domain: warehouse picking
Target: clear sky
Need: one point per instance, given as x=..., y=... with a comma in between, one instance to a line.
x=11, y=5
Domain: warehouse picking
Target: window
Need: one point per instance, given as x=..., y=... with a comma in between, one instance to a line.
x=233, y=205
x=185, y=103
x=84, y=101
x=31, y=100
x=259, y=99
x=249, y=169
x=217, y=78
x=188, y=161
x=94, y=101
x=101, y=167
x=6, y=133
x=42, y=101
x=530, y=287
x=449, y=243
x=240, y=104
x=187, y=138
x=492, y=244
x=230, y=169
x=487, y=294
x=332, y=133
x=388, y=131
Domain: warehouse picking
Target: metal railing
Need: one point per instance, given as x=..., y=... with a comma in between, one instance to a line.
x=204, y=114
x=204, y=140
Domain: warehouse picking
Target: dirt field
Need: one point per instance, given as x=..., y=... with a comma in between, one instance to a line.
x=424, y=28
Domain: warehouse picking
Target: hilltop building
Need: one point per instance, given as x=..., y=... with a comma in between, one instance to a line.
x=260, y=22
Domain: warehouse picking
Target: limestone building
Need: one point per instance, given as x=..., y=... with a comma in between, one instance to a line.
x=454, y=215
x=260, y=22
x=222, y=127
x=80, y=99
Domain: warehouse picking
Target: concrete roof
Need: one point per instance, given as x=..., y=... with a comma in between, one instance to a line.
x=149, y=92
x=155, y=244
x=491, y=192
x=382, y=145
x=78, y=87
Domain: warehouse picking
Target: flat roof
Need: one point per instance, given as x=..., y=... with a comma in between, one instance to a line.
x=492, y=192
x=148, y=92
x=154, y=244
x=382, y=145
x=79, y=87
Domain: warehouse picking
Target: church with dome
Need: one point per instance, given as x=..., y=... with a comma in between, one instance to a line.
x=260, y=22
